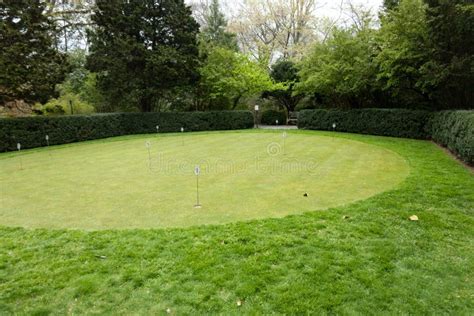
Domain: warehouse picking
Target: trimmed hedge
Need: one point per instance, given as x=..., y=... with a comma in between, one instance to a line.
x=384, y=122
x=31, y=131
x=452, y=129
x=269, y=117
x=455, y=130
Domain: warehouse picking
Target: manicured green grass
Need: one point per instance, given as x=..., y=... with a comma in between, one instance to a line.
x=375, y=261
x=113, y=184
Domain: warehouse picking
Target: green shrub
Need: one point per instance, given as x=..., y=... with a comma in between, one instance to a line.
x=31, y=131
x=385, y=122
x=62, y=105
x=455, y=130
x=269, y=117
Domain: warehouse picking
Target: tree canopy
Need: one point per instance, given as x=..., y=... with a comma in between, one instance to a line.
x=153, y=55
x=30, y=64
x=143, y=49
x=230, y=75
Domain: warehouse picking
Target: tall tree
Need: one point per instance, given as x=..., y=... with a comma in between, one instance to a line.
x=449, y=73
x=340, y=72
x=73, y=19
x=272, y=28
x=231, y=76
x=214, y=31
x=30, y=65
x=142, y=50
x=285, y=72
x=403, y=41
x=390, y=4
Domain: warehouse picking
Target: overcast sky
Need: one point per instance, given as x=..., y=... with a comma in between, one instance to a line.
x=328, y=8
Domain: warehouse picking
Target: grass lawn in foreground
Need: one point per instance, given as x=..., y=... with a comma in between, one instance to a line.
x=114, y=184
x=375, y=261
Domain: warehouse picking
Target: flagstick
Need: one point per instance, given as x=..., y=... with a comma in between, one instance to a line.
x=18, y=146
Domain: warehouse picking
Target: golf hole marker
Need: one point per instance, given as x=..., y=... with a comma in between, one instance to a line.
x=197, y=172
x=157, y=128
x=18, y=146
x=284, y=136
x=148, y=147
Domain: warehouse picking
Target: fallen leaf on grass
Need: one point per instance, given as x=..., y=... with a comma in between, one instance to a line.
x=239, y=303
x=413, y=218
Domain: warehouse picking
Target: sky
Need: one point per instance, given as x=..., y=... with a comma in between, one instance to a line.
x=327, y=8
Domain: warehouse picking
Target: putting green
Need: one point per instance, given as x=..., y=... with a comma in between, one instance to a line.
x=112, y=183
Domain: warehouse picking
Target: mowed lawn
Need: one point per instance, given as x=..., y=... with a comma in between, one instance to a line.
x=116, y=183
x=363, y=257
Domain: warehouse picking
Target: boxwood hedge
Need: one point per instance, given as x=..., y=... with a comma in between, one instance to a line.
x=31, y=131
x=455, y=130
x=385, y=122
x=269, y=117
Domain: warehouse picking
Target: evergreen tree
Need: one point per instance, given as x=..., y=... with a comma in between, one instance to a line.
x=449, y=73
x=214, y=33
x=390, y=4
x=30, y=65
x=285, y=72
x=142, y=50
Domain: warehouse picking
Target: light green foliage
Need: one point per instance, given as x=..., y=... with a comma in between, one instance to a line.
x=231, y=75
x=403, y=51
x=62, y=105
x=80, y=86
x=341, y=68
x=363, y=258
x=89, y=93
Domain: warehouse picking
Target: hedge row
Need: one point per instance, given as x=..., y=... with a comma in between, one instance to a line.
x=270, y=117
x=31, y=131
x=384, y=122
x=453, y=129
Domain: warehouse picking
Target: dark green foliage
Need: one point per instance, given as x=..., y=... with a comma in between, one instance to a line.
x=455, y=130
x=385, y=122
x=269, y=117
x=30, y=66
x=449, y=71
x=285, y=71
x=390, y=4
x=403, y=45
x=31, y=131
x=143, y=50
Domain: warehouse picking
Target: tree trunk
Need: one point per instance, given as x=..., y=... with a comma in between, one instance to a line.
x=146, y=104
x=236, y=102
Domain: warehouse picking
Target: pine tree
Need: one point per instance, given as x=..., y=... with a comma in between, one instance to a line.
x=214, y=33
x=30, y=65
x=142, y=50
